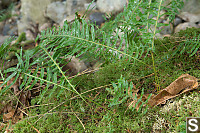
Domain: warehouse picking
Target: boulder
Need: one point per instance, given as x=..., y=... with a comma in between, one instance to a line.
x=183, y=26
x=56, y=11
x=113, y=6
x=32, y=11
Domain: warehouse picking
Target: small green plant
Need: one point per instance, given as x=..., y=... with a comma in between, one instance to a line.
x=122, y=91
x=182, y=128
x=6, y=13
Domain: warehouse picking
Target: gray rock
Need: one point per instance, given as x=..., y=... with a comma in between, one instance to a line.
x=98, y=18
x=75, y=5
x=56, y=11
x=2, y=39
x=93, y=6
x=190, y=17
x=74, y=66
x=183, y=26
x=10, y=27
x=166, y=30
x=45, y=26
x=8, y=30
x=32, y=11
x=1, y=26
x=177, y=21
x=108, y=6
x=191, y=6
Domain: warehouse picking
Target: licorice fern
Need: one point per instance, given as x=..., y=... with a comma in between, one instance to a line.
x=56, y=45
x=122, y=90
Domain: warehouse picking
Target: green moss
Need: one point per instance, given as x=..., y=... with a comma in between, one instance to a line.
x=189, y=32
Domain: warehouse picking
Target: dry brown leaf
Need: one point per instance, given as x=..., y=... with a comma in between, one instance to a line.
x=184, y=83
x=14, y=86
x=6, y=107
x=9, y=115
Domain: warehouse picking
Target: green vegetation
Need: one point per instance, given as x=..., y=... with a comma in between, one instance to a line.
x=6, y=13
x=99, y=101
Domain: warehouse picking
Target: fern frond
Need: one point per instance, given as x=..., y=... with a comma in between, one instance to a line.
x=123, y=38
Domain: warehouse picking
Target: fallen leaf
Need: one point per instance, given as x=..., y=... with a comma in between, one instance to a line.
x=181, y=85
x=9, y=115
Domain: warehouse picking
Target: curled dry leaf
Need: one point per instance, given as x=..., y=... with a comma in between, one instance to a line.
x=14, y=86
x=181, y=85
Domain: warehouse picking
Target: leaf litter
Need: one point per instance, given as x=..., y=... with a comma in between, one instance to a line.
x=182, y=84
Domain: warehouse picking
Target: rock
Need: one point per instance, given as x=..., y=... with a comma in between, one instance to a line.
x=2, y=23
x=198, y=23
x=163, y=15
x=2, y=39
x=97, y=17
x=183, y=26
x=6, y=29
x=29, y=35
x=56, y=11
x=113, y=6
x=191, y=6
x=90, y=15
x=69, y=19
x=190, y=17
x=22, y=26
x=45, y=26
x=75, y=5
x=190, y=11
x=10, y=28
x=90, y=7
x=32, y=11
x=74, y=66
x=72, y=17
x=165, y=30
x=177, y=21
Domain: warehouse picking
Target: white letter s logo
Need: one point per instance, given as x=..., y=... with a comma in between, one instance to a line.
x=193, y=124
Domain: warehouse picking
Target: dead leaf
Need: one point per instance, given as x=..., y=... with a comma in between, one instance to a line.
x=181, y=85
x=9, y=115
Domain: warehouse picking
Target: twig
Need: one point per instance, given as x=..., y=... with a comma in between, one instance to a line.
x=78, y=118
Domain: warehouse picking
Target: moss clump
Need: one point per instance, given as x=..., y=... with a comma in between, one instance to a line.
x=189, y=32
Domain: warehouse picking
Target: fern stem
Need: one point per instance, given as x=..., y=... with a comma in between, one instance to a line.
x=101, y=45
x=63, y=74
x=154, y=68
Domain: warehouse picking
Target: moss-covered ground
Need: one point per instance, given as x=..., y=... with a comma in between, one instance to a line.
x=75, y=115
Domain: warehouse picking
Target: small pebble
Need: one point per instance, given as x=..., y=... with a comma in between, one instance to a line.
x=177, y=21
x=97, y=18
